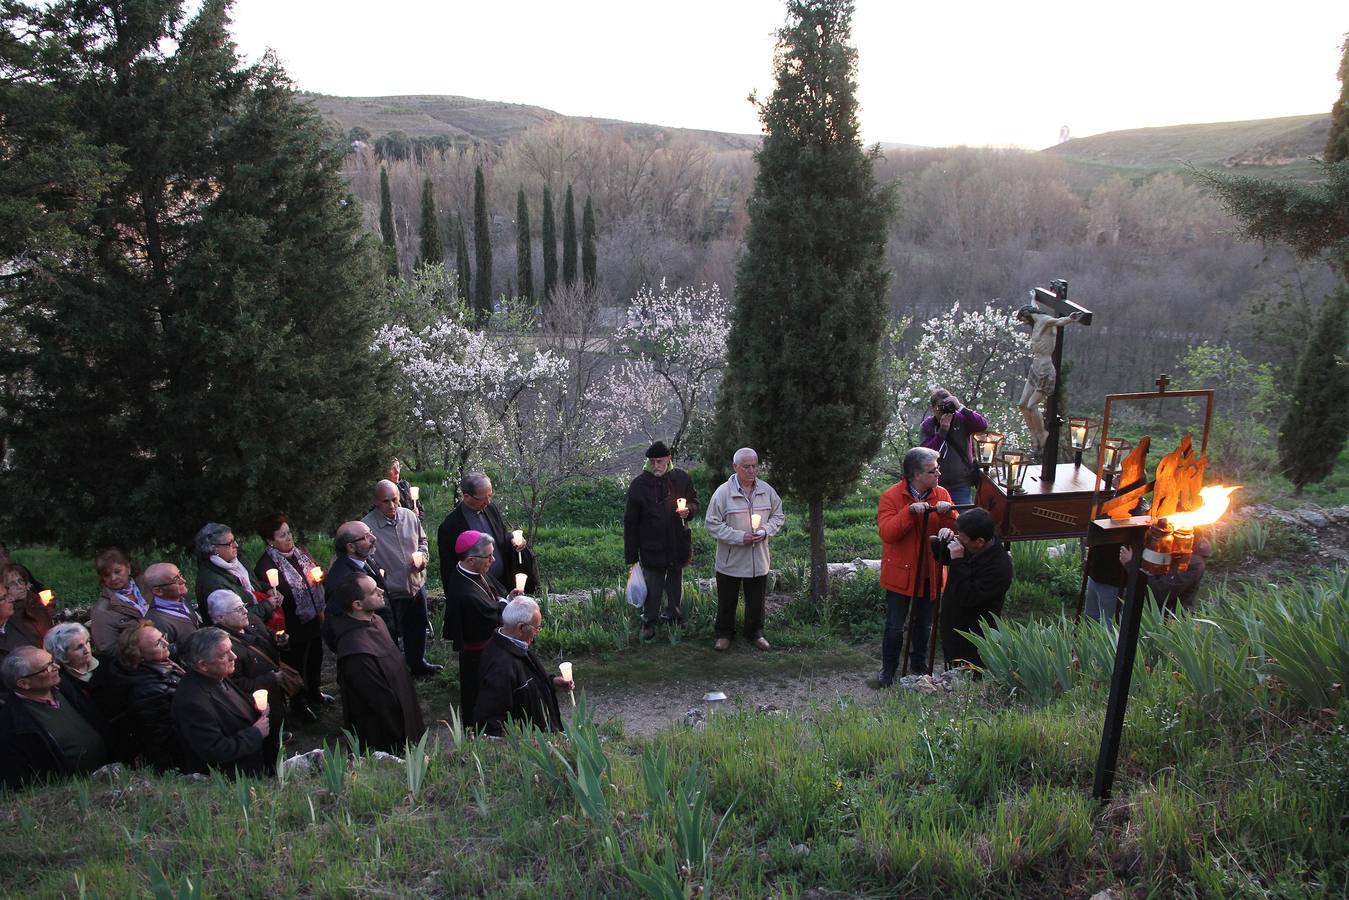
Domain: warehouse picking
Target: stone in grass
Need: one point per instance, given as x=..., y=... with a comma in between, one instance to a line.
x=303, y=763
x=694, y=716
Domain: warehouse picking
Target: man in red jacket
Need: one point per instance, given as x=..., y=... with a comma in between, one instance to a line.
x=908, y=513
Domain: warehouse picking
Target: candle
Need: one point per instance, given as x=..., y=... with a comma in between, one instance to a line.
x=316, y=574
x=565, y=670
x=46, y=597
x=414, y=492
x=280, y=634
x=273, y=577
x=260, y=699
x=417, y=560
x=986, y=452
x=520, y=579
x=681, y=504
x=754, y=521
x=1079, y=435
x=518, y=536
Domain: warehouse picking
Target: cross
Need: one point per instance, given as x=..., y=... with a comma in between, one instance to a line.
x=1162, y=381
x=1056, y=298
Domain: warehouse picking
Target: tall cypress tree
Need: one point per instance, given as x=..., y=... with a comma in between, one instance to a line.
x=386, y=230
x=1316, y=425
x=1337, y=142
x=810, y=306
x=568, y=239
x=432, y=250
x=464, y=281
x=588, y=257
x=183, y=368
x=549, y=234
x=524, y=254
x=482, y=250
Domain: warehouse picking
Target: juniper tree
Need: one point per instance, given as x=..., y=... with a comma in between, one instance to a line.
x=1337, y=142
x=549, y=234
x=1316, y=424
x=386, y=229
x=568, y=239
x=432, y=250
x=524, y=254
x=482, y=250
x=464, y=272
x=588, y=259
x=208, y=354
x=804, y=374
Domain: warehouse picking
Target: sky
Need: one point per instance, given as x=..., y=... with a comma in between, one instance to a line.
x=938, y=74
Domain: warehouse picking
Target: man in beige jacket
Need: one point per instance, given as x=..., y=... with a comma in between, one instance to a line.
x=402, y=552
x=742, y=515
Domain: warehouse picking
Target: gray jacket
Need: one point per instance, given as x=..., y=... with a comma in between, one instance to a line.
x=728, y=521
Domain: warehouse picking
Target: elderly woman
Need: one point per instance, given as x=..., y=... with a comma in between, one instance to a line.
x=87, y=683
x=150, y=679
x=219, y=568
x=31, y=619
x=302, y=603
x=257, y=659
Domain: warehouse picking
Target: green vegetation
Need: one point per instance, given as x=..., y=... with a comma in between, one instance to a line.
x=524, y=256
x=568, y=238
x=387, y=233
x=432, y=251
x=549, y=237
x=482, y=249
x=589, y=260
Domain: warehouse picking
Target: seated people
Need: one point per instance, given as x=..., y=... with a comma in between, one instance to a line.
x=11, y=636
x=88, y=683
x=31, y=618
x=150, y=679
x=217, y=724
x=219, y=568
x=379, y=702
x=257, y=659
x=977, y=583
x=169, y=611
x=42, y=734
x=514, y=684
x=120, y=600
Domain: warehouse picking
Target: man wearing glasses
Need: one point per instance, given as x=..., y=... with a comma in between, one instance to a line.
x=42, y=734
x=354, y=545
x=168, y=605
x=476, y=512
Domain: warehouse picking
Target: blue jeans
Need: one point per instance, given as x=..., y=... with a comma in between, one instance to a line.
x=961, y=496
x=897, y=609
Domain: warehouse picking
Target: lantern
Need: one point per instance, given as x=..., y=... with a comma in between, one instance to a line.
x=1081, y=434
x=1014, y=470
x=986, y=448
x=1113, y=451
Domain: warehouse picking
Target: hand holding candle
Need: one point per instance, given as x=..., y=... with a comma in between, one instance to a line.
x=260, y=700
x=316, y=575
x=754, y=521
x=520, y=579
x=518, y=539
x=564, y=669
x=415, y=493
x=418, y=560
x=46, y=597
x=273, y=577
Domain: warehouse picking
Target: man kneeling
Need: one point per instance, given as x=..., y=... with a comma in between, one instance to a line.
x=513, y=681
x=981, y=573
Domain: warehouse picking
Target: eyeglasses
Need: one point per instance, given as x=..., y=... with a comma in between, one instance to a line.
x=177, y=579
x=49, y=667
x=935, y=470
x=230, y=543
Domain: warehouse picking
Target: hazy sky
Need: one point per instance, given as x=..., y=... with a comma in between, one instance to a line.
x=978, y=72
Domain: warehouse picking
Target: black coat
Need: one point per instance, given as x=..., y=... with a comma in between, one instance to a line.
x=471, y=613
x=300, y=632
x=214, y=722
x=514, y=685
x=101, y=701
x=149, y=698
x=653, y=533
x=456, y=523
x=976, y=589
x=28, y=753
x=379, y=702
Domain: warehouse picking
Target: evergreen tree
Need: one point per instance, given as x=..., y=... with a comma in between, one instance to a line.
x=464, y=281
x=1337, y=143
x=810, y=305
x=568, y=240
x=386, y=229
x=1316, y=425
x=524, y=254
x=588, y=258
x=549, y=247
x=482, y=250
x=209, y=355
x=432, y=250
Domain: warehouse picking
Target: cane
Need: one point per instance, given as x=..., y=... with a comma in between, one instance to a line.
x=913, y=601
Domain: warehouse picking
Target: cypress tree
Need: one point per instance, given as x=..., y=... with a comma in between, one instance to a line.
x=1316, y=425
x=810, y=305
x=482, y=250
x=464, y=282
x=1337, y=143
x=200, y=360
x=386, y=230
x=524, y=254
x=588, y=258
x=549, y=247
x=568, y=239
x=432, y=250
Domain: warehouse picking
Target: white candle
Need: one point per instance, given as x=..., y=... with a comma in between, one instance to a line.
x=1079, y=435
x=273, y=577
x=414, y=492
x=681, y=504
x=564, y=669
x=46, y=597
x=518, y=536
x=316, y=574
x=520, y=579
x=754, y=521
x=417, y=560
x=260, y=699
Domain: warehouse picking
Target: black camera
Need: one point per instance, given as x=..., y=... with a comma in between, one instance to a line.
x=940, y=552
x=949, y=405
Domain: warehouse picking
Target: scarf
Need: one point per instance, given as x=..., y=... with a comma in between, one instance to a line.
x=131, y=595
x=308, y=597
x=176, y=608
x=236, y=569
x=87, y=673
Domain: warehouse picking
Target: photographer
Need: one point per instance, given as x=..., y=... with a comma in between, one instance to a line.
x=980, y=574
x=950, y=429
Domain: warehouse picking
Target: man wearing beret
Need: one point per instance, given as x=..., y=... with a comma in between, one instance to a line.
x=656, y=534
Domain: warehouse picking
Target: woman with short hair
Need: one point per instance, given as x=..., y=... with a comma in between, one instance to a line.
x=220, y=569
x=89, y=684
x=30, y=618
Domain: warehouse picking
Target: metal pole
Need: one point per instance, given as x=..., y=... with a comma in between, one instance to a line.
x=1126, y=648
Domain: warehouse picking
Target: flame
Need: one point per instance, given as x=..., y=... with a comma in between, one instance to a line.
x=46, y=597
x=1216, y=498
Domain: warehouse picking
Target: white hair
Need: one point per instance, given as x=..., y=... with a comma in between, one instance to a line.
x=62, y=636
x=741, y=453
x=220, y=601
x=519, y=611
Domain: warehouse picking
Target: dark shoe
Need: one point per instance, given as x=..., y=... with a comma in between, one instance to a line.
x=879, y=682
x=762, y=643
x=426, y=670
x=648, y=632
x=326, y=699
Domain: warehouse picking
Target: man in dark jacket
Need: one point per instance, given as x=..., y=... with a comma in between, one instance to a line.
x=353, y=544
x=473, y=602
x=514, y=683
x=656, y=534
x=980, y=574
x=379, y=702
x=476, y=512
x=219, y=725
x=42, y=734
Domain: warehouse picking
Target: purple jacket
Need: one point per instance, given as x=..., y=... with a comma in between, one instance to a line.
x=931, y=436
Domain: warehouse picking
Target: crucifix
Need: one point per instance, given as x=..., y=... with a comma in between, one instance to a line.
x=1046, y=344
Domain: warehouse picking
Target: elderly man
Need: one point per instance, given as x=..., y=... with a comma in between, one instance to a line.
x=949, y=429
x=980, y=574
x=473, y=602
x=43, y=735
x=401, y=552
x=476, y=512
x=742, y=515
x=257, y=658
x=218, y=724
x=168, y=605
x=379, y=702
x=353, y=545
x=656, y=534
x=907, y=515
x=514, y=683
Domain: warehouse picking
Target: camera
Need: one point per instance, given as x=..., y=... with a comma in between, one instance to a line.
x=949, y=405
x=940, y=552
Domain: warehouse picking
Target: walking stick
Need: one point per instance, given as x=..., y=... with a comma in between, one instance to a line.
x=913, y=604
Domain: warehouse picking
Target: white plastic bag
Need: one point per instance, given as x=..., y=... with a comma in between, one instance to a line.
x=636, y=587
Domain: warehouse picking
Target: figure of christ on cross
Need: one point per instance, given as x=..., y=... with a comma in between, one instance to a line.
x=1046, y=346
